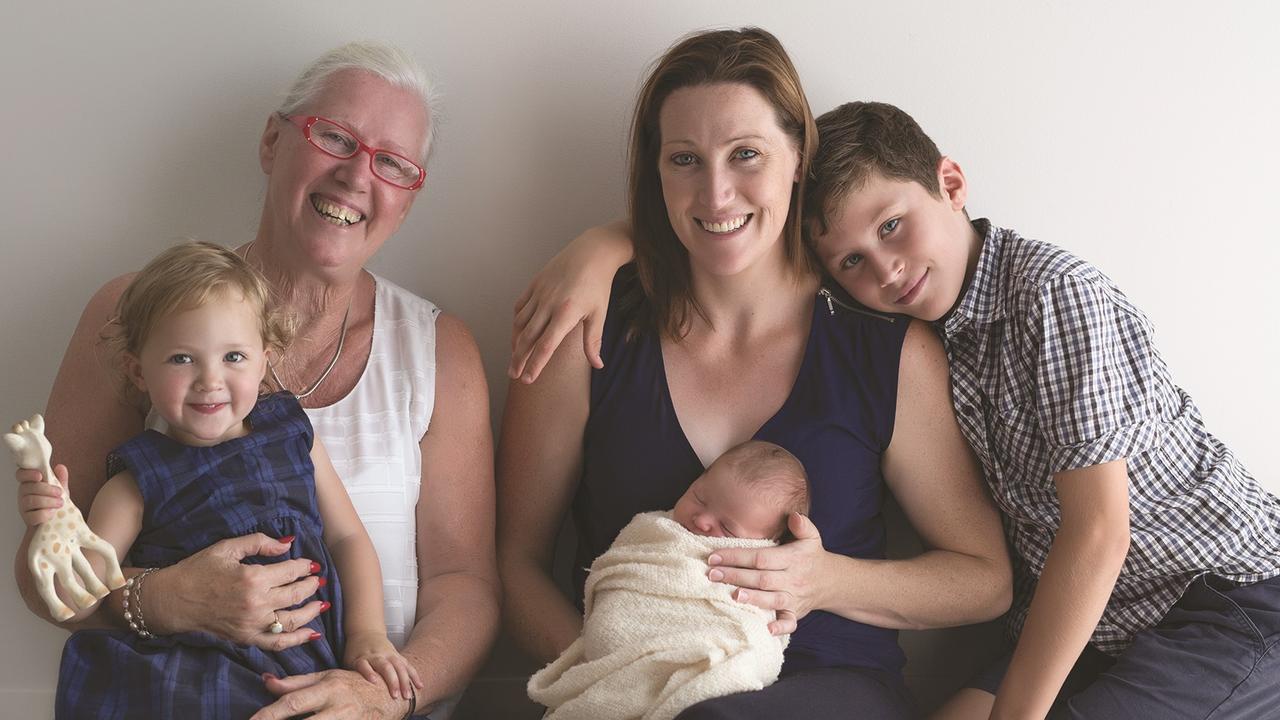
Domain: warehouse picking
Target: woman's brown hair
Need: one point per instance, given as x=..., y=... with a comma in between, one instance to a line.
x=749, y=56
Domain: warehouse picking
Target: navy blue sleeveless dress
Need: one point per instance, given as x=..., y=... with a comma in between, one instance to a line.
x=838, y=420
x=193, y=497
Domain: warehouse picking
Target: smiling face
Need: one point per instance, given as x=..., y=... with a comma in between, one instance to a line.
x=328, y=213
x=727, y=170
x=721, y=504
x=202, y=368
x=896, y=247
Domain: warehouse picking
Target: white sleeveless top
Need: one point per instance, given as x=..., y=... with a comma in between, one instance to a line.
x=373, y=435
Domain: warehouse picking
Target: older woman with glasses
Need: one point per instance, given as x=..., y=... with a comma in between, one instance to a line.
x=374, y=366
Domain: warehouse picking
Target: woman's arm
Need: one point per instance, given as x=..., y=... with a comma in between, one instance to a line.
x=539, y=463
x=458, y=591
x=963, y=577
x=572, y=289
x=87, y=416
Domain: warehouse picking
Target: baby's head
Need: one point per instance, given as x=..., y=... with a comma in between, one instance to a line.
x=748, y=492
x=192, y=331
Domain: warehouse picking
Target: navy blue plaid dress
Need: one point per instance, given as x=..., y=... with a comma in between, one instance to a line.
x=193, y=497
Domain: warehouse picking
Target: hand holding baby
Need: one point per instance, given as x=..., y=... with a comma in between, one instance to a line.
x=787, y=578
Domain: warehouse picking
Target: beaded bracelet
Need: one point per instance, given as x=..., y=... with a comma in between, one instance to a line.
x=133, y=588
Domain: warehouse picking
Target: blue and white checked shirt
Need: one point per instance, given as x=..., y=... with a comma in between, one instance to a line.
x=1052, y=369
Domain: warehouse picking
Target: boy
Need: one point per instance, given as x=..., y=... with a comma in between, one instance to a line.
x=658, y=635
x=1141, y=545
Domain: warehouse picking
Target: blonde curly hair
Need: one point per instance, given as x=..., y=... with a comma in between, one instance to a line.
x=183, y=277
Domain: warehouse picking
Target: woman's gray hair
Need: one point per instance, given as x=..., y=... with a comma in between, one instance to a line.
x=384, y=60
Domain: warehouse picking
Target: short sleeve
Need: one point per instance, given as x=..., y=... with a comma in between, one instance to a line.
x=1095, y=383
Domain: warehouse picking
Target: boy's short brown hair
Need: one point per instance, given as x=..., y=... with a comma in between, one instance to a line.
x=858, y=139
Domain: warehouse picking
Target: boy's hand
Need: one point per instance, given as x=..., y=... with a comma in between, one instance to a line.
x=573, y=288
x=39, y=500
x=372, y=655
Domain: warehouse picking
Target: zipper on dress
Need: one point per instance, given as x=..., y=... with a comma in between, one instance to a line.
x=832, y=301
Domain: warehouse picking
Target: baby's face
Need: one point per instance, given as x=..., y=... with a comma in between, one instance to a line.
x=718, y=504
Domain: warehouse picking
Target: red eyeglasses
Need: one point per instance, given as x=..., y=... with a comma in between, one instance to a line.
x=337, y=141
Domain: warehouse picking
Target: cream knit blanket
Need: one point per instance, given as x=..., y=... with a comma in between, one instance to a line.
x=658, y=635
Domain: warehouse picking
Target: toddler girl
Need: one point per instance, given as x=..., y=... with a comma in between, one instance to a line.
x=194, y=332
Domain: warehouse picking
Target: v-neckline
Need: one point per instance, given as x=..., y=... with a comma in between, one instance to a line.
x=669, y=401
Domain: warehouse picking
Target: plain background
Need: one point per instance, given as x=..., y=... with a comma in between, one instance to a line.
x=1141, y=139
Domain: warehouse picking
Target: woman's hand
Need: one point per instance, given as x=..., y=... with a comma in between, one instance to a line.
x=39, y=500
x=214, y=592
x=573, y=288
x=331, y=695
x=787, y=578
x=372, y=655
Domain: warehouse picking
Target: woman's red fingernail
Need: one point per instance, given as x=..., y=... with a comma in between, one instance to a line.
x=323, y=581
x=287, y=539
x=314, y=635
x=315, y=567
x=325, y=605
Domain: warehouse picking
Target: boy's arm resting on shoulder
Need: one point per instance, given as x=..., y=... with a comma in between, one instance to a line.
x=539, y=465
x=573, y=289
x=1079, y=574
x=964, y=575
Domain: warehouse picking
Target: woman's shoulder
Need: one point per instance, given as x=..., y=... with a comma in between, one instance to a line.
x=860, y=331
x=402, y=304
x=454, y=339
x=102, y=304
x=629, y=310
x=922, y=350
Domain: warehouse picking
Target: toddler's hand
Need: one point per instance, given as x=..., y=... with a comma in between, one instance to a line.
x=372, y=655
x=39, y=500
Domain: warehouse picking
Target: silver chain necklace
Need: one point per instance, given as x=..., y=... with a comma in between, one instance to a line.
x=333, y=362
x=328, y=369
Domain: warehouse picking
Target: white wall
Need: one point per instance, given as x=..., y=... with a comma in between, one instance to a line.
x=1143, y=140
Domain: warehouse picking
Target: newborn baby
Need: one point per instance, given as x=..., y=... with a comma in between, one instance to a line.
x=658, y=635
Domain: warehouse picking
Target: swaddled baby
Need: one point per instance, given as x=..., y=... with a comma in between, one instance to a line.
x=658, y=635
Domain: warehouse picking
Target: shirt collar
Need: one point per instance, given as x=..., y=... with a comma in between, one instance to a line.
x=980, y=302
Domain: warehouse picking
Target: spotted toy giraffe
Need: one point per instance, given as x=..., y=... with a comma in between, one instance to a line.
x=56, y=550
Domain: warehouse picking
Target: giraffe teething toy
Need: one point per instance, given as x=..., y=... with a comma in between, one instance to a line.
x=56, y=550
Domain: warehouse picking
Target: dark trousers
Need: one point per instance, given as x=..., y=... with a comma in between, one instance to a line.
x=1214, y=656
x=821, y=693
